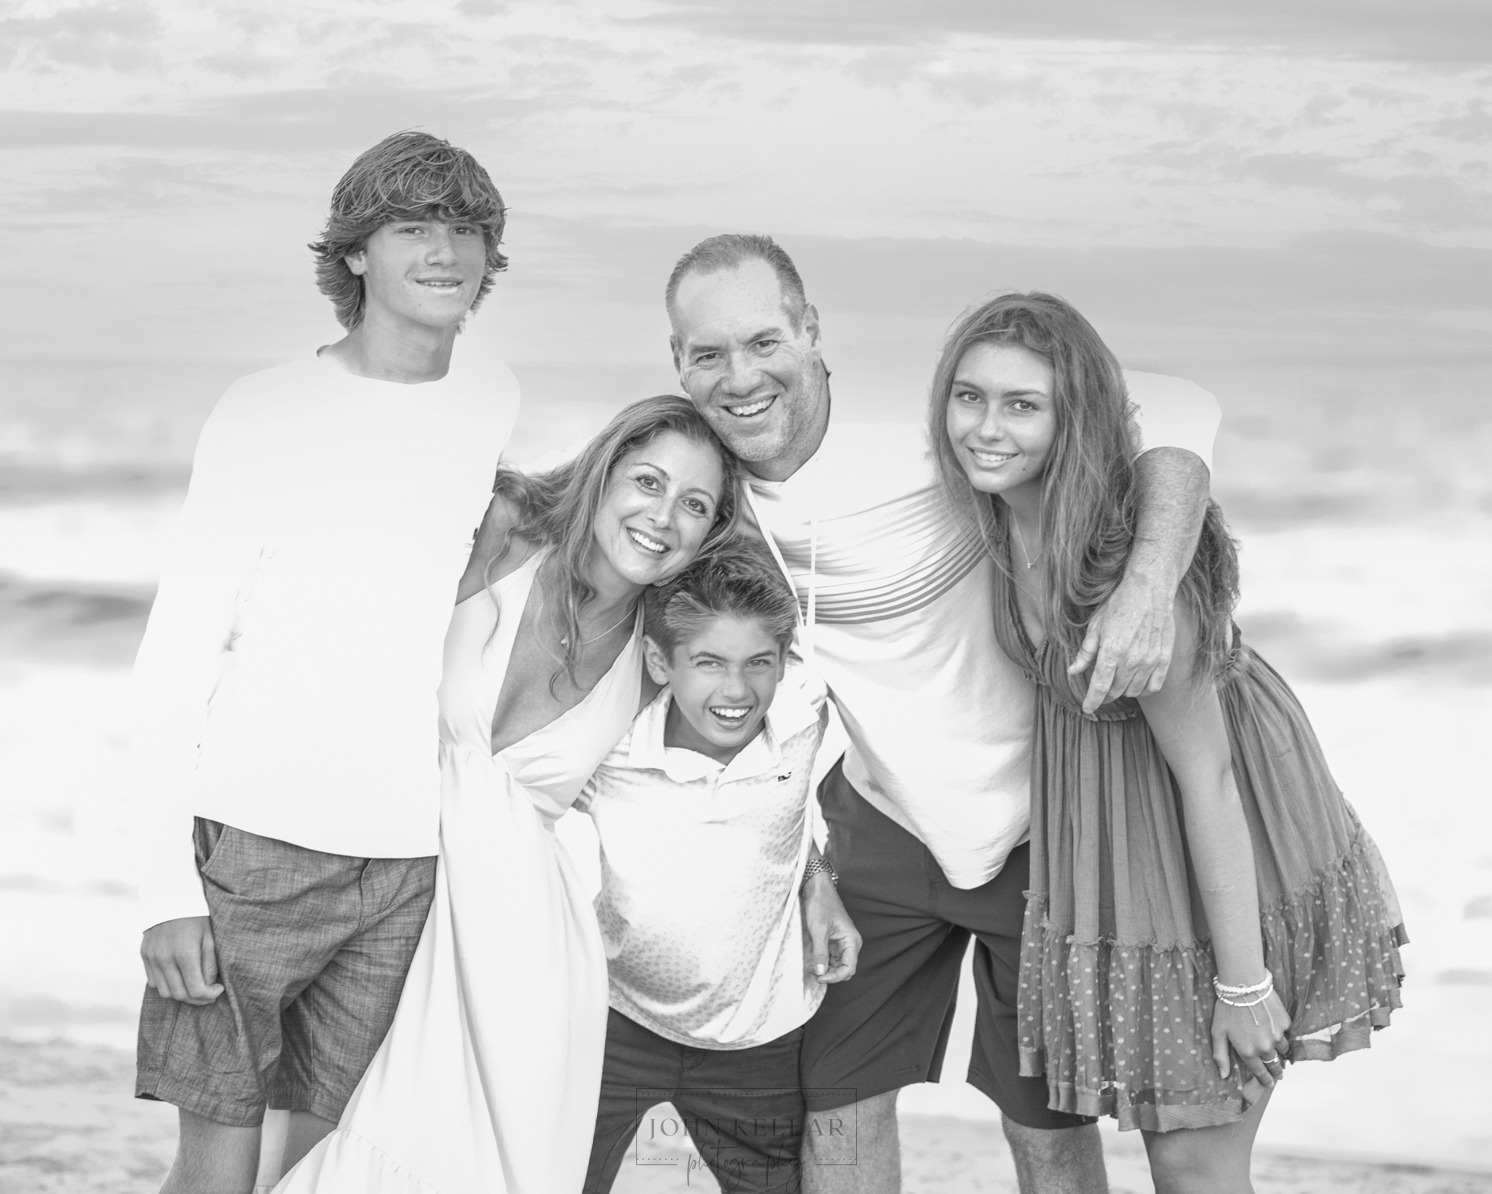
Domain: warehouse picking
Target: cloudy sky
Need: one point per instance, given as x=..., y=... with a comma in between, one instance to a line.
x=1216, y=184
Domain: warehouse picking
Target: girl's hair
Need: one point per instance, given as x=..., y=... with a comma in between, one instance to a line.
x=406, y=176
x=741, y=580
x=1087, y=509
x=558, y=509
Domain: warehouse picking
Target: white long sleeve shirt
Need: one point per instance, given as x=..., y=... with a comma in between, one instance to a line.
x=286, y=681
x=898, y=620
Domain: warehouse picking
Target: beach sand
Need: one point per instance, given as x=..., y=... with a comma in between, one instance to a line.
x=66, y=1127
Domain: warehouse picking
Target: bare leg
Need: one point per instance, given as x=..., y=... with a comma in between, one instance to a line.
x=213, y=1158
x=1205, y=1160
x=305, y=1131
x=1057, y=1160
x=853, y=1149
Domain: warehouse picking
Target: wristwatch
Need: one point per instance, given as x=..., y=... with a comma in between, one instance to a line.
x=819, y=865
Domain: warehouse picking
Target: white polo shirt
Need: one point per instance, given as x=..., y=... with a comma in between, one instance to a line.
x=700, y=869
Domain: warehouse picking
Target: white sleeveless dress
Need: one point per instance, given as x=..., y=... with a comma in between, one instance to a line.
x=488, y=1080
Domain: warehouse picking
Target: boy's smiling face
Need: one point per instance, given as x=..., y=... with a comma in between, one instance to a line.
x=723, y=680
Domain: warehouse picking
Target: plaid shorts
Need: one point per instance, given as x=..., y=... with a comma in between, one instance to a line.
x=312, y=951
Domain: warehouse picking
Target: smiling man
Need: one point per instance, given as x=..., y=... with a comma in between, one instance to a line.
x=929, y=811
x=284, y=716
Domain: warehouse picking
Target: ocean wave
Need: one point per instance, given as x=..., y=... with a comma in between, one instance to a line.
x=1309, y=649
x=71, y=623
x=33, y=480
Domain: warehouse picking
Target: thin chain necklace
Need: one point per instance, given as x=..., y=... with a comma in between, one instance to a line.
x=1016, y=527
x=631, y=613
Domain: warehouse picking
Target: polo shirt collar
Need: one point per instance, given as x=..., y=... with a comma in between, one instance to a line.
x=789, y=714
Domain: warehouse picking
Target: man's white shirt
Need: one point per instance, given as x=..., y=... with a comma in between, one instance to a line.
x=897, y=596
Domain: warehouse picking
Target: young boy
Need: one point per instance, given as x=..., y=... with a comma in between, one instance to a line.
x=283, y=726
x=703, y=817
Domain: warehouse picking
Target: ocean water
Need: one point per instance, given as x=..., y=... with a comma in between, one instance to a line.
x=1364, y=509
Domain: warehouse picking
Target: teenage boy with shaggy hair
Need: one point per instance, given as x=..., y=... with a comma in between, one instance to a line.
x=283, y=725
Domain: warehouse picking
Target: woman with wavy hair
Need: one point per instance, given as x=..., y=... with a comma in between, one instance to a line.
x=1204, y=904
x=490, y=1075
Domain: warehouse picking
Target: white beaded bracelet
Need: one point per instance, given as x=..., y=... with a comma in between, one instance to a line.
x=1239, y=996
x=1223, y=988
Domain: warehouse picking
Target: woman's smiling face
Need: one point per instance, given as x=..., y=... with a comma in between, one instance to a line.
x=1002, y=417
x=659, y=504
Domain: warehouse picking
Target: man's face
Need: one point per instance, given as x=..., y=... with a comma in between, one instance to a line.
x=758, y=382
x=421, y=271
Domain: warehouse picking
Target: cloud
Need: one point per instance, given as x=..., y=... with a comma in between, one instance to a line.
x=1319, y=298
x=1473, y=125
x=1453, y=31
x=1346, y=271
x=1418, y=186
x=127, y=186
x=273, y=121
x=986, y=87
x=1319, y=275
x=397, y=45
x=1196, y=120
x=118, y=36
x=241, y=64
x=1430, y=197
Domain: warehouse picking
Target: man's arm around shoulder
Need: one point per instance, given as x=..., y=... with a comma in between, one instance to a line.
x=1129, y=641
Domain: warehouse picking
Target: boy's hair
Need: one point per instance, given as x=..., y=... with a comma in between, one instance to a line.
x=741, y=579
x=407, y=176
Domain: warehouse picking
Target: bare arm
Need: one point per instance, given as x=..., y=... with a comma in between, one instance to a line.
x=1186, y=718
x=831, y=940
x=1129, y=641
x=491, y=538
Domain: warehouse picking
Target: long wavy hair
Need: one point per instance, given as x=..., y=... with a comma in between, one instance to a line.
x=557, y=509
x=1087, y=489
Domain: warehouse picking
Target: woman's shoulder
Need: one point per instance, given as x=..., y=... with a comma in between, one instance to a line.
x=498, y=550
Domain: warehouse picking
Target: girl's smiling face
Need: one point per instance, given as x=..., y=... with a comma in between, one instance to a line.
x=1002, y=417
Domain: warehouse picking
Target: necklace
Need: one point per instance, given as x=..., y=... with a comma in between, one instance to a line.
x=631, y=613
x=1015, y=526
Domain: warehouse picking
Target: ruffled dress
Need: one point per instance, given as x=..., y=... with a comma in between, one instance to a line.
x=489, y=1077
x=1115, y=1001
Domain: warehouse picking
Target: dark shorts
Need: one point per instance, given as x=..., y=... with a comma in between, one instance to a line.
x=888, y=1026
x=742, y=1107
x=312, y=951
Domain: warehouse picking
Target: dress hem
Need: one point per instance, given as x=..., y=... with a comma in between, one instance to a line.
x=1121, y=1017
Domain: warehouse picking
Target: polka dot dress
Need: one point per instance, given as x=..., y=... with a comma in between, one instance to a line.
x=1116, y=1000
